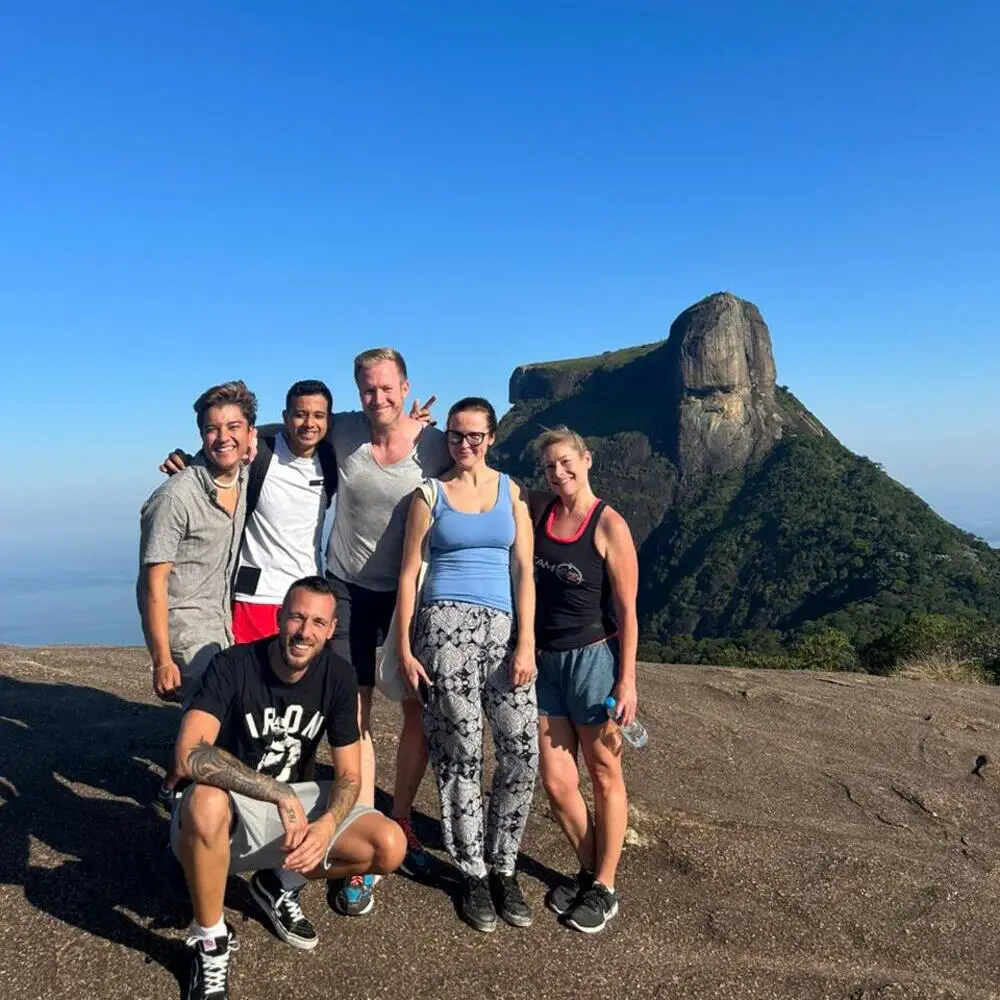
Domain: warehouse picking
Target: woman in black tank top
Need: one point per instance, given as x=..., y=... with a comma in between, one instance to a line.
x=586, y=634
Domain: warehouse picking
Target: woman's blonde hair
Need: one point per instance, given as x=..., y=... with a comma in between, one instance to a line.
x=560, y=435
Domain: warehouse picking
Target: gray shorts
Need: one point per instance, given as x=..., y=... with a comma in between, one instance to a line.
x=575, y=683
x=192, y=661
x=256, y=836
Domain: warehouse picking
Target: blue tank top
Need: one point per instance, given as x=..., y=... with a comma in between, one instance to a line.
x=470, y=553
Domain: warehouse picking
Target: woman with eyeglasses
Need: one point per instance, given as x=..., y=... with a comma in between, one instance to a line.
x=472, y=653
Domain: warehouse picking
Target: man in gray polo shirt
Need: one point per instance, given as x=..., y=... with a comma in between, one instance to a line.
x=190, y=537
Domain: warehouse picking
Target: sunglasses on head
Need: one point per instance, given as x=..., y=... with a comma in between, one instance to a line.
x=475, y=438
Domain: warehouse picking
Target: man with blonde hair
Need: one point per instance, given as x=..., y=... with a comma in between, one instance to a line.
x=383, y=454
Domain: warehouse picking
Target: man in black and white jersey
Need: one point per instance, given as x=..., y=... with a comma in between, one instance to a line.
x=247, y=744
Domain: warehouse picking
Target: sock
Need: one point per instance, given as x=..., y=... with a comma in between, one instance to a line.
x=217, y=930
x=290, y=880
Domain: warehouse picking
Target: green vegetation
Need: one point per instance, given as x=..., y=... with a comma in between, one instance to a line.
x=607, y=360
x=817, y=558
x=813, y=558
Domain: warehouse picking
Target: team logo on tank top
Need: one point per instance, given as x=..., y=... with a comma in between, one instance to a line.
x=568, y=573
x=565, y=572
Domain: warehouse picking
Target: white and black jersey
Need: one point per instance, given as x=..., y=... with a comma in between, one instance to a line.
x=270, y=725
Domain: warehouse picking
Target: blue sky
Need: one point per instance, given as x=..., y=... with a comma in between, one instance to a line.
x=191, y=192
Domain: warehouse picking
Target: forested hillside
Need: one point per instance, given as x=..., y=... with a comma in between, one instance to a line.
x=761, y=538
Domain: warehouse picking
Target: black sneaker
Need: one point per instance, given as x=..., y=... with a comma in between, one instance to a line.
x=281, y=907
x=592, y=909
x=477, y=904
x=210, y=968
x=560, y=899
x=511, y=903
x=415, y=863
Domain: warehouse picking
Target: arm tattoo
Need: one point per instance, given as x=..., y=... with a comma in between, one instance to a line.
x=343, y=796
x=211, y=765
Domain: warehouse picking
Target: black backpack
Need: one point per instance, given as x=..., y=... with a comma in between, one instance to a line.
x=259, y=466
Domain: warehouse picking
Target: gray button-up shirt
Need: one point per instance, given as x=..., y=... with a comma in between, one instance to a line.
x=183, y=523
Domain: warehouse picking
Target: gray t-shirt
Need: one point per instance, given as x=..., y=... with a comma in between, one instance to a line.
x=182, y=523
x=366, y=544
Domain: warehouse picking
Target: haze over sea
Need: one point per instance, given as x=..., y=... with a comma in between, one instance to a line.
x=85, y=604
x=194, y=192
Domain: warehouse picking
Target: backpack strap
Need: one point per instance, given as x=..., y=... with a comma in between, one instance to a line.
x=328, y=462
x=429, y=488
x=258, y=470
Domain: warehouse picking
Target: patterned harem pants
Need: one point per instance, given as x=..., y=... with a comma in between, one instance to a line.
x=466, y=650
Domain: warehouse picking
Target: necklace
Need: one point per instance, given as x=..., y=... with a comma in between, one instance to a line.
x=225, y=486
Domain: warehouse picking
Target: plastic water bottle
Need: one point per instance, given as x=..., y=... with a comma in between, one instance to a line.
x=635, y=732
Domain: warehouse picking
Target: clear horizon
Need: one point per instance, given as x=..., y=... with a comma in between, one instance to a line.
x=192, y=193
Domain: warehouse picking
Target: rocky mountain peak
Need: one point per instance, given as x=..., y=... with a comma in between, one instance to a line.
x=705, y=397
x=723, y=386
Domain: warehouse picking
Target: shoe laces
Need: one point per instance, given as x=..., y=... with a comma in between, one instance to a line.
x=356, y=882
x=289, y=899
x=412, y=841
x=596, y=895
x=511, y=889
x=479, y=892
x=214, y=964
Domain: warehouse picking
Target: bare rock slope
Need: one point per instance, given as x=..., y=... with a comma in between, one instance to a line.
x=791, y=836
x=724, y=386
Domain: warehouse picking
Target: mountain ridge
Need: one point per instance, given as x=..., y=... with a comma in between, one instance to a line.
x=750, y=517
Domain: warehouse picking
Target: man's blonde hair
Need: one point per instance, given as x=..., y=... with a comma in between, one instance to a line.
x=376, y=354
x=560, y=435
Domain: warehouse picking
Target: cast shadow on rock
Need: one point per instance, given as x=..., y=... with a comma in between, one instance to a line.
x=76, y=778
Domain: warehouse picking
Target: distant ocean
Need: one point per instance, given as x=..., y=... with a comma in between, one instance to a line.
x=78, y=606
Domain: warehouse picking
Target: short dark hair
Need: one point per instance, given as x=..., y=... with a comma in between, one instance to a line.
x=478, y=404
x=233, y=393
x=309, y=387
x=314, y=584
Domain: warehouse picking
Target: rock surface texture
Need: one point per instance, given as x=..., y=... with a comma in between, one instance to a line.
x=723, y=386
x=792, y=836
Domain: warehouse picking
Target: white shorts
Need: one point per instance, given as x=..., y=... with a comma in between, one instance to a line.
x=256, y=835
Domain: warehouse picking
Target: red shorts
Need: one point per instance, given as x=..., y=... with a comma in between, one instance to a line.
x=254, y=621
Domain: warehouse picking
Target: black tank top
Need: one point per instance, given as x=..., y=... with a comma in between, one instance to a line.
x=573, y=592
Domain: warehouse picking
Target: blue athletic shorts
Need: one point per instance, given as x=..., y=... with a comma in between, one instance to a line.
x=575, y=683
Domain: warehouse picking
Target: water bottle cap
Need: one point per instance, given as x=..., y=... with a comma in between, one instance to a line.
x=609, y=703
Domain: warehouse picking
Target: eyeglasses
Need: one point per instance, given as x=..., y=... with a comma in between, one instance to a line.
x=474, y=438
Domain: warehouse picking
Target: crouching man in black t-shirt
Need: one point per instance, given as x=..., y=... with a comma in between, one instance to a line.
x=247, y=740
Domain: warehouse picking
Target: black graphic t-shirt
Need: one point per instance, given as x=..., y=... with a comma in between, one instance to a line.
x=272, y=726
